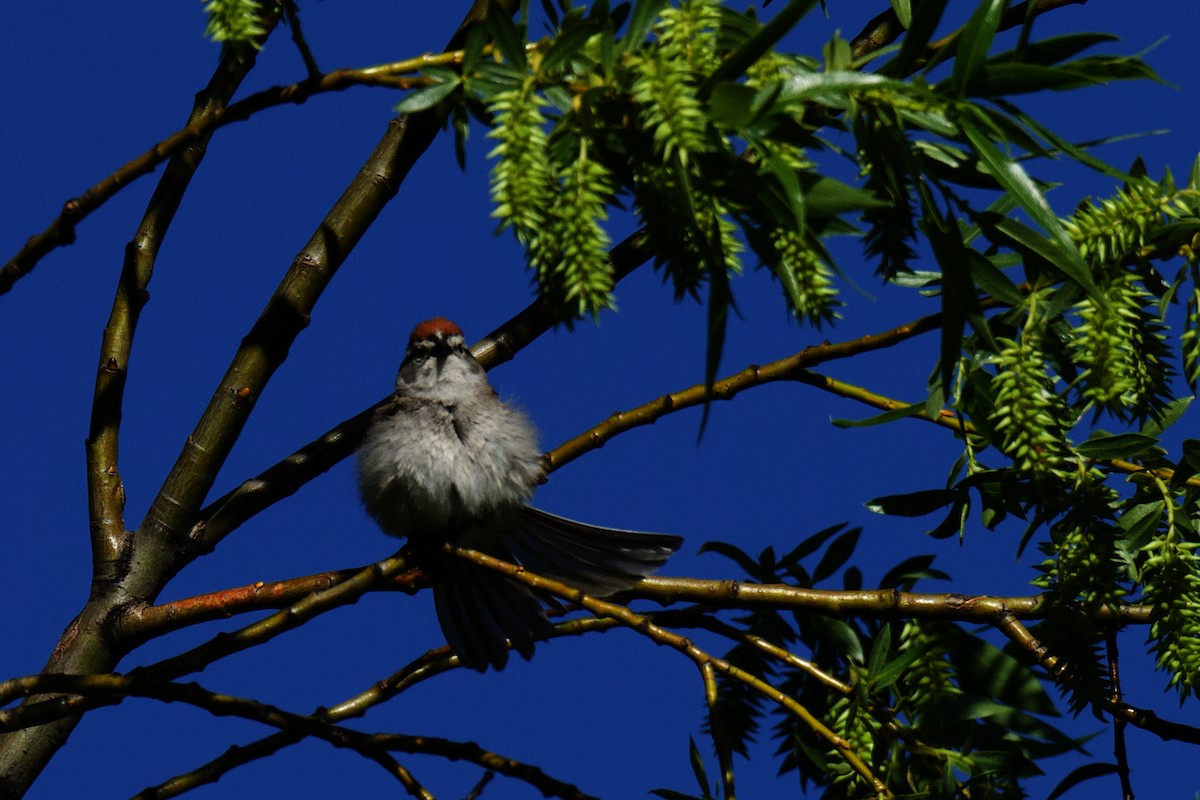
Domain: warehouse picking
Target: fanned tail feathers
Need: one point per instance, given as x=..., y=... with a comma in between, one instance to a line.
x=481, y=611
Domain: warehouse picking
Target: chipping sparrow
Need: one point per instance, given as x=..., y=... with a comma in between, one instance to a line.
x=446, y=461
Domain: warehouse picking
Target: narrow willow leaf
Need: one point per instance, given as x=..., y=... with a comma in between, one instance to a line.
x=826, y=197
x=698, y=766
x=892, y=671
x=1079, y=775
x=888, y=416
x=1121, y=445
x=505, y=36
x=914, y=504
x=974, y=43
x=830, y=86
x=903, y=9
x=641, y=20
x=836, y=555
x=812, y=544
x=568, y=43
x=427, y=97
x=1170, y=415
x=923, y=23
x=1068, y=262
x=881, y=648
x=1054, y=49
x=732, y=105
x=1021, y=186
x=737, y=62
x=911, y=570
x=1002, y=80
x=992, y=280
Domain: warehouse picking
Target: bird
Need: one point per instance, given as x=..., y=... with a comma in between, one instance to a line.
x=447, y=461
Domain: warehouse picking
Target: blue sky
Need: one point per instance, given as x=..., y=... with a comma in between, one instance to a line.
x=93, y=85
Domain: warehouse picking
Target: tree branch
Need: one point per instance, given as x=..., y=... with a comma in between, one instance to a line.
x=1145, y=719
x=109, y=689
x=83, y=648
x=782, y=370
x=61, y=230
x=659, y=635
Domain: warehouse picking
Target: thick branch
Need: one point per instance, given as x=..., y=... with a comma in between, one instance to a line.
x=174, y=510
x=83, y=648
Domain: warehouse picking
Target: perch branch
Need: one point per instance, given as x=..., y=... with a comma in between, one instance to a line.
x=642, y=624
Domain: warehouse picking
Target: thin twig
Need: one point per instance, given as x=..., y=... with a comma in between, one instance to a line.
x=1119, y=750
x=659, y=635
x=1142, y=718
x=716, y=728
x=429, y=665
x=291, y=14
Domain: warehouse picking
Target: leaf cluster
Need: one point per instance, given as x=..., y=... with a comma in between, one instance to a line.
x=937, y=709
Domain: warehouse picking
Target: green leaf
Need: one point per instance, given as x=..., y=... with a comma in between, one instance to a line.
x=920, y=30
x=1121, y=445
x=954, y=522
x=1051, y=251
x=719, y=301
x=1015, y=180
x=698, y=766
x=426, y=97
x=733, y=553
x=837, y=633
x=505, y=36
x=1169, y=416
x=914, y=504
x=737, y=62
x=881, y=648
x=1001, y=80
x=568, y=43
x=959, y=299
x=1078, y=775
x=892, y=671
x=837, y=555
x=911, y=570
x=988, y=669
x=812, y=544
x=731, y=106
x=831, y=87
x=1054, y=49
x=903, y=9
x=992, y=280
x=645, y=13
x=974, y=42
x=1189, y=463
x=888, y=416
x=827, y=197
